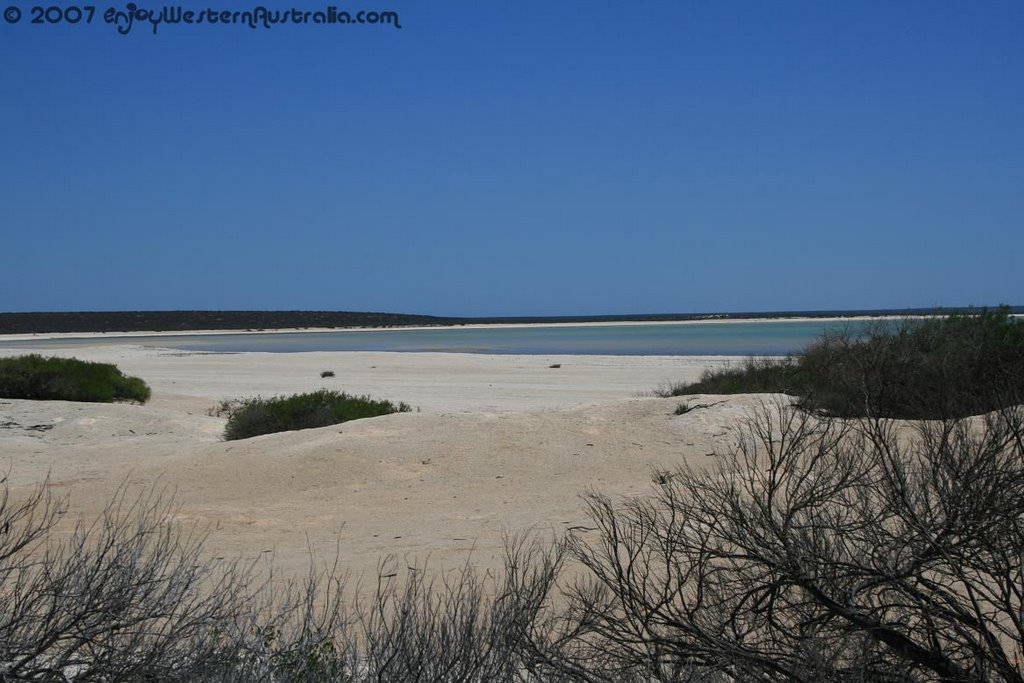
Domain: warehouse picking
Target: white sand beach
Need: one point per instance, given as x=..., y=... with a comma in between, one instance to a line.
x=497, y=444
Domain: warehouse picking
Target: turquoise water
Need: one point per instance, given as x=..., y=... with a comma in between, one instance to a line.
x=768, y=337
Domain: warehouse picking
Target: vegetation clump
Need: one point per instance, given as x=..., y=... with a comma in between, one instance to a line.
x=817, y=549
x=67, y=379
x=255, y=416
x=753, y=376
x=932, y=368
x=135, y=596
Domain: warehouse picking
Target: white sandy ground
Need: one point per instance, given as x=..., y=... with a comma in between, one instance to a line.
x=500, y=444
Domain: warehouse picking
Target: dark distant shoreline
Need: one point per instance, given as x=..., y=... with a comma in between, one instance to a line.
x=183, y=321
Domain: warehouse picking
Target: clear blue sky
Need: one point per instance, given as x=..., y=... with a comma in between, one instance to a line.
x=519, y=158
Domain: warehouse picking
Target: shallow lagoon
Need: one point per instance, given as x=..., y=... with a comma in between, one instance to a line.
x=741, y=338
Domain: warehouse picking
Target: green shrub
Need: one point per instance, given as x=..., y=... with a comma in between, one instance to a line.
x=919, y=369
x=755, y=375
x=930, y=368
x=67, y=379
x=255, y=416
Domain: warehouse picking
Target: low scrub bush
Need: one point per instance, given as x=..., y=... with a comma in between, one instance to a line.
x=134, y=597
x=817, y=549
x=931, y=368
x=919, y=369
x=67, y=379
x=255, y=416
x=754, y=376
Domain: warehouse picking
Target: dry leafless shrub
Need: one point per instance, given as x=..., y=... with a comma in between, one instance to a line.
x=119, y=599
x=130, y=597
x=464, y=626
x=819, y=550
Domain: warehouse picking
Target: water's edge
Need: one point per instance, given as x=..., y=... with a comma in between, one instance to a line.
x=746, y=338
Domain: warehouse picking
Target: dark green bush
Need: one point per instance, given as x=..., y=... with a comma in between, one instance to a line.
x=919, y=369
x=255, y=416
x=67, y=379
x=755, y=375
x=931, y=368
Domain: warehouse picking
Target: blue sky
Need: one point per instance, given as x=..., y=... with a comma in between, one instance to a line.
x=519, y=158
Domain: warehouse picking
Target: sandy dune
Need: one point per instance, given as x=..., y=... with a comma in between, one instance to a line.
x=501, y=443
